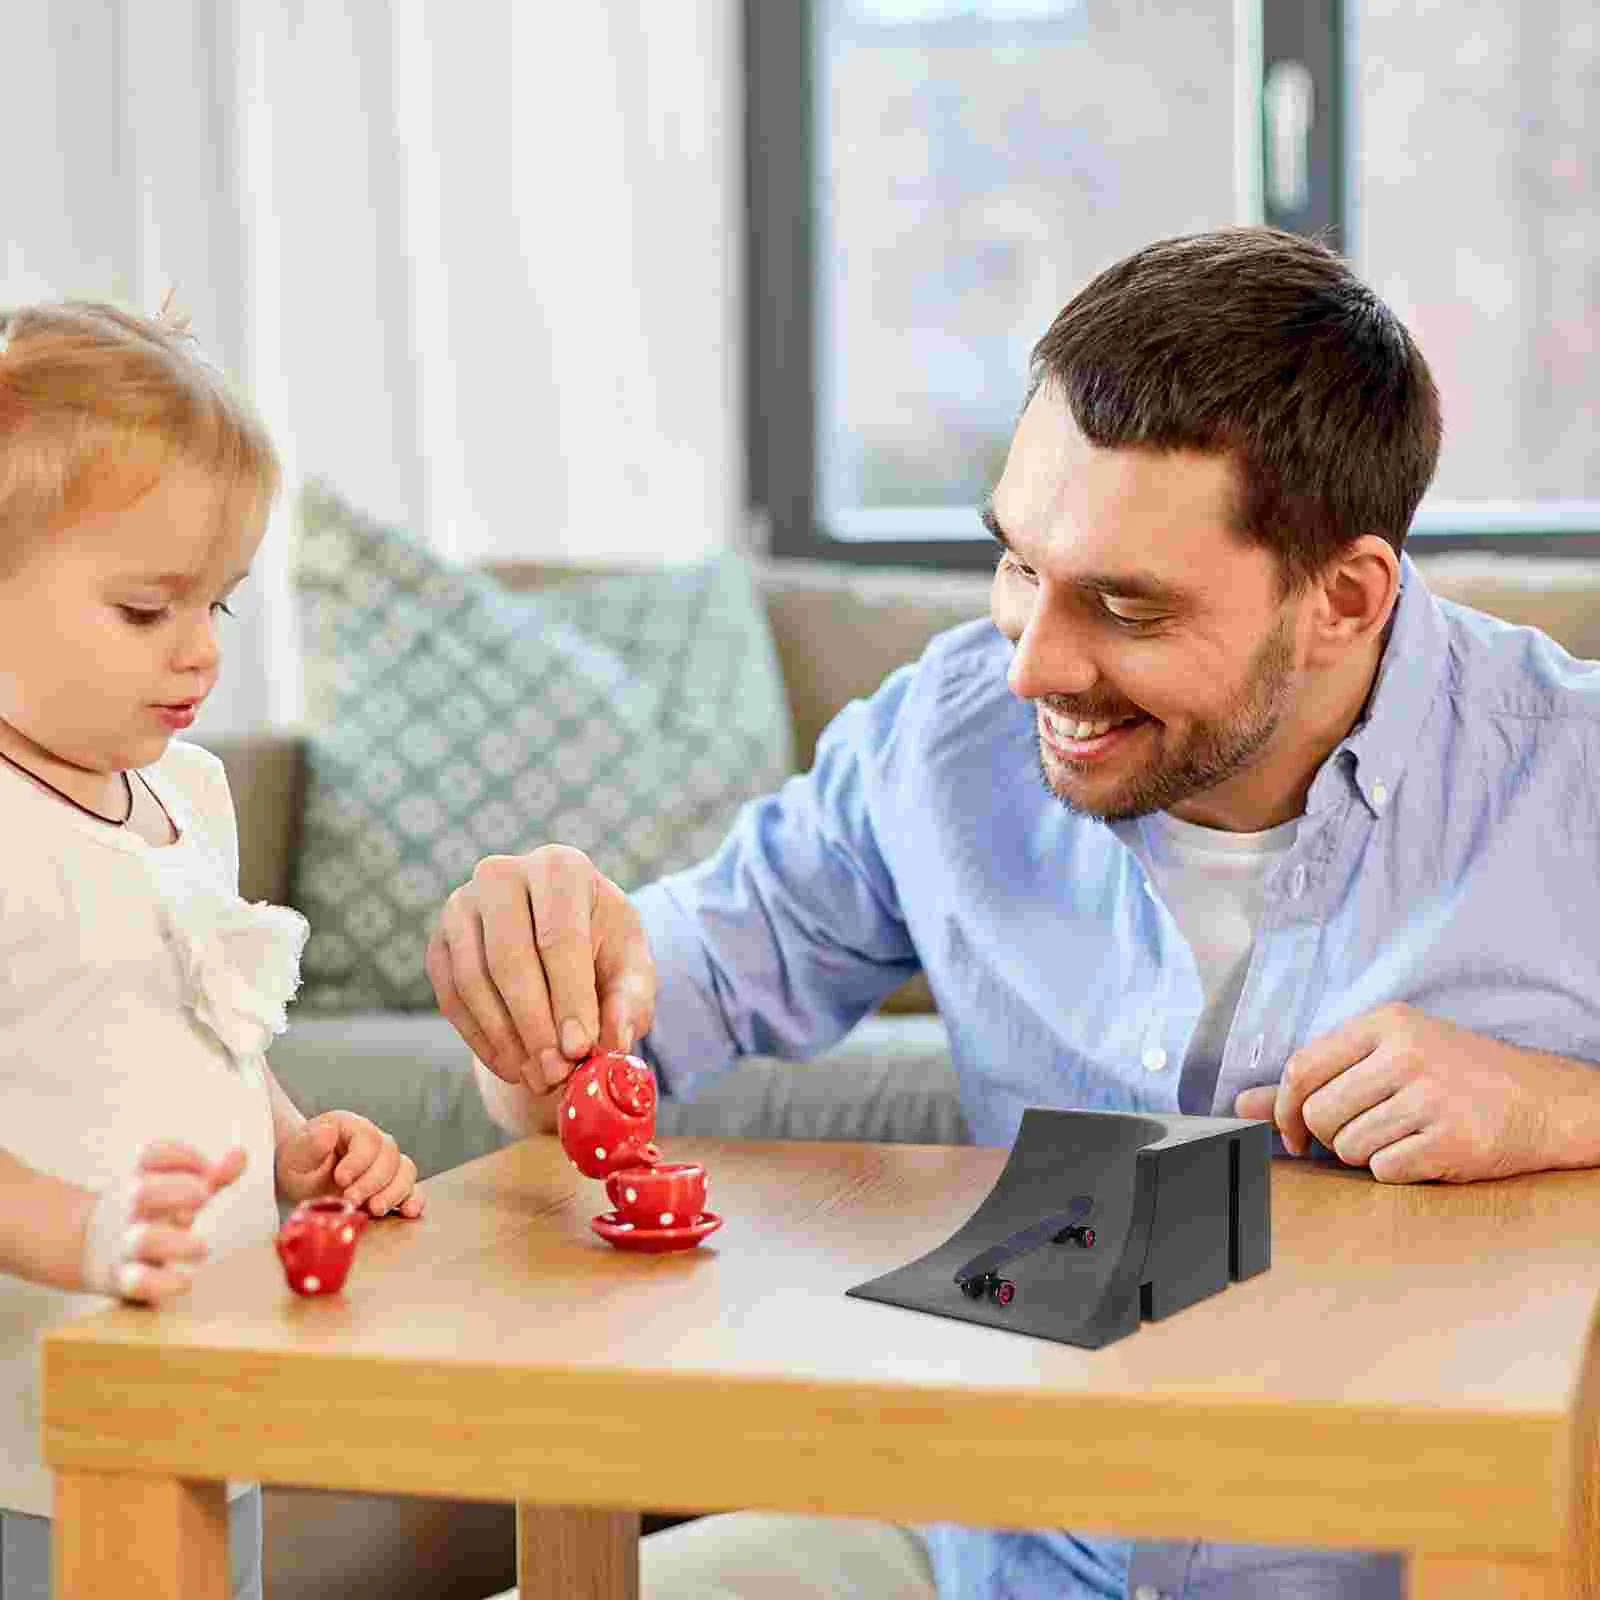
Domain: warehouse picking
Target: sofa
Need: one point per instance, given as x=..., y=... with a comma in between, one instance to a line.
x=838, y=631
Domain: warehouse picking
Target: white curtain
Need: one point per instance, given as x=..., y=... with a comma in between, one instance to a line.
x=477, y=263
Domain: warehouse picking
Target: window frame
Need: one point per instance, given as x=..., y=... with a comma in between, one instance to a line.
x=780, y=373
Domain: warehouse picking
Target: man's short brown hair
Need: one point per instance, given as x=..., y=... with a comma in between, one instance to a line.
x=1266, y=346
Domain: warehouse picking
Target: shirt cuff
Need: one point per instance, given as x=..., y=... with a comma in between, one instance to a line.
x=509, y=1105
x=689, y=1042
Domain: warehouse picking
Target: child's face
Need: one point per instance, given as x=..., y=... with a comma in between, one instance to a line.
x=92, y=643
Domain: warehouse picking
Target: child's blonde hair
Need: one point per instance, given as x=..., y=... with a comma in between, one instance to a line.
x=96, y=403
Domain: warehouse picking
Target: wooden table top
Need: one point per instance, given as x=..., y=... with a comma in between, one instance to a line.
x=1413, y=1370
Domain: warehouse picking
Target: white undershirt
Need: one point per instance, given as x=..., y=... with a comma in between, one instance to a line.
x=1213, y=883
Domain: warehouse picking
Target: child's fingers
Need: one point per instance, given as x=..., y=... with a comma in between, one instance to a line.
x=413, y=1204
x=368, y=1167
x=161, y=1244
x=168, y=1155
x=228, y=1168
x=169, y=1197
x=367, y=1145
x=152, y=1286
x=377, y=1178
x=392, y=1193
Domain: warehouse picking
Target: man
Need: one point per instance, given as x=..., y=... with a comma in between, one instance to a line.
x=1309, y=844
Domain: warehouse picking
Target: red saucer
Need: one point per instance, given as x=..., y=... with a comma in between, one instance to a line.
x=652, y=1241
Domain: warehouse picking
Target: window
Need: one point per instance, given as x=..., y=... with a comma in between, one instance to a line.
x=930, y=181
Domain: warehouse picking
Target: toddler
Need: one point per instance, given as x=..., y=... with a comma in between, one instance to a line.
x=141, y=1130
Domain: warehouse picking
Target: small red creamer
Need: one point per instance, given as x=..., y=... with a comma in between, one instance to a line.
x=317, y=1244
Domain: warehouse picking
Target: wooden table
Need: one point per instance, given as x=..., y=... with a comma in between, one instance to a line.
x=1416, y=1372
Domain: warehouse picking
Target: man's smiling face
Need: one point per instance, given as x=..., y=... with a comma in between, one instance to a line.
x=1127, y=592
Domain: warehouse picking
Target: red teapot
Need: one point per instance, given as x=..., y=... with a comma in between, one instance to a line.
x=318, y=1242
x=608, y=1115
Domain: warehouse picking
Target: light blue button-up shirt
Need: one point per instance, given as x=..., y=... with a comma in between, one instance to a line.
x=1448, y=857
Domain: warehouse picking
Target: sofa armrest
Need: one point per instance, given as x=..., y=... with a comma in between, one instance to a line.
x=266, y=773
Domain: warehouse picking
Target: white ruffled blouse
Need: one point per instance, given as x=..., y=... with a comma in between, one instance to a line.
x=241, y=967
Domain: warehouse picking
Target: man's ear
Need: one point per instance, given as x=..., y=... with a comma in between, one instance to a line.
x=1357, y=594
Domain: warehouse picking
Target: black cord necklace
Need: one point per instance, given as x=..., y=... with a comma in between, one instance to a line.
x=113, y=822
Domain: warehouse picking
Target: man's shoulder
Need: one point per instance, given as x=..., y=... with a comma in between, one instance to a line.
x=1500, y=669
x=965, y=666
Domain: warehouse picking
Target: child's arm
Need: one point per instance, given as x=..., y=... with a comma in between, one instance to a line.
x=132, y=1239
x=338, y=1153
x=43, y=1221
x=287, y=1118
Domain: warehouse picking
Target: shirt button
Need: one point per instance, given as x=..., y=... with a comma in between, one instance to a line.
x=1147, y=1591
x=1255, y=1050
x=1155, y=1058
x=1297, y=884
x=1379, y=794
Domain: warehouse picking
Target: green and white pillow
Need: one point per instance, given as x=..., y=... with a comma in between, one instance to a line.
x=451, y=718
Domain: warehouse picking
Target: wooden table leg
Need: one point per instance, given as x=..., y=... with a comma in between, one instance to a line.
x=1450, y=1578
x=160, y=1538
x=568, y=1553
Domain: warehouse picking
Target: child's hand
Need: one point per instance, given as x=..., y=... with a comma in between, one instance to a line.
x=339, y=1153
x=139, y=1244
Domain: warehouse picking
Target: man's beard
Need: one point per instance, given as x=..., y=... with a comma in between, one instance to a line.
x=1214, y=750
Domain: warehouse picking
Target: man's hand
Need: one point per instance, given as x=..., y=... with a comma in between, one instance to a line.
x=1414, y=1098
x=338, y=1153
x=539, y=960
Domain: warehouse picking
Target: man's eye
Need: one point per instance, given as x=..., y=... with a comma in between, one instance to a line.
x=1009, y=563
x=1128, y=622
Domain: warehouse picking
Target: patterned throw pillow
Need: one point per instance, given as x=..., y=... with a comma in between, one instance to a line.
x=450, y=718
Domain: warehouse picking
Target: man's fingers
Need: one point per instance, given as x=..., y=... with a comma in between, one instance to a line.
x=438, y=964
x=624, y=971
x=628, y=1010
x=561, y=895
x=1256, y=1103
x=499, y=972
x=523, y=955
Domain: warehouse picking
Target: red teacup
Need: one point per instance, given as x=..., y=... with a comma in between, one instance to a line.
x=669, y=1195
x=608, y=1115
x=317, y=1244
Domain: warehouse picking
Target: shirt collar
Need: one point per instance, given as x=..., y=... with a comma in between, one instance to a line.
x=1374, y=754
x=1377, y=750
